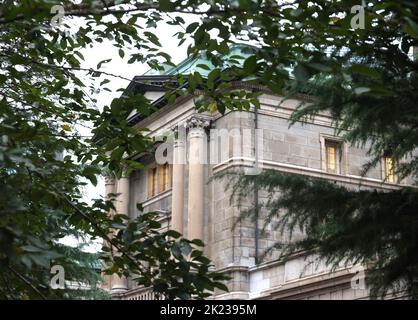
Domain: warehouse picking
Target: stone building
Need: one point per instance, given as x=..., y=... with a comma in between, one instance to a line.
x=199, y=207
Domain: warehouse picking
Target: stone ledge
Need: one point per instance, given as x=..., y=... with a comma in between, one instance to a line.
x=157, y=197
x=285, y=167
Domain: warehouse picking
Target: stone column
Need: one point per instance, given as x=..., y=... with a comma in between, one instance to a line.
x=179, y=161
x=120, y=284
x=197, y=161
x=109, y=188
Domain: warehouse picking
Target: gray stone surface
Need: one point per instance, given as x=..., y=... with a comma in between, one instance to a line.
x=233, y=249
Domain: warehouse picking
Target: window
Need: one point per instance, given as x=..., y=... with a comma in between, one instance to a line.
x=332, y=156
x=389, y=174
x=164, y=177
x=152, y=182
x=159, y=180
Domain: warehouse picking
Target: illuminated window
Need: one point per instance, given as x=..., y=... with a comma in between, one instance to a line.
x=164, y=177
x=389, y=169
x=159, y=180
x=332, y=155
x=152, y=182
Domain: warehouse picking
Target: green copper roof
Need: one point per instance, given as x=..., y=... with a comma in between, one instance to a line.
x=190, y=64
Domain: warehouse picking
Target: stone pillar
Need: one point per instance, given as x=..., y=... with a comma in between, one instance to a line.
x=177, y=206
x=120, y=284
x=109, y=188
x=197, y=161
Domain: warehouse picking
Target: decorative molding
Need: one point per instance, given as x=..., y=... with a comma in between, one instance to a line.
x=300, y=288
x=109, y=179
x=196, y=122
x=285, y=167
x=342, y=160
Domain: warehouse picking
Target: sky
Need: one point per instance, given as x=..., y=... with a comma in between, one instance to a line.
x=119, y=66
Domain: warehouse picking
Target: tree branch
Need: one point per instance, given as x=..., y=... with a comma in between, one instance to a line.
x=103, y=234
x=83, y=10
x=90, y=70
x=26, y=281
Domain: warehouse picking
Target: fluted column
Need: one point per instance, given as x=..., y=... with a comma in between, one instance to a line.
x=197, y=160
x=179, y=161
x=120, y=284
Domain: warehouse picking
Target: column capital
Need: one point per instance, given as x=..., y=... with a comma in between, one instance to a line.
x=109, y=179
x=197, y=122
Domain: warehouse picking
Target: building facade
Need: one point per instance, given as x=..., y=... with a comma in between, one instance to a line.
x=191, y=202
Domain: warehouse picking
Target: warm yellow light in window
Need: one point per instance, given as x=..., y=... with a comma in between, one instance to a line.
x=159, y=180
x=163, y=177
x=389, y=170
x=331, y=157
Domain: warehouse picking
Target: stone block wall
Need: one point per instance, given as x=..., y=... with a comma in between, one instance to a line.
x=295, y=149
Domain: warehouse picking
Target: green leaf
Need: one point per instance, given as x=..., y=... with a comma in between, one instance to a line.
x=301, y=73
x=213, y=75
x=411, y=28
x=198, y=242
x=166, y=5
x=320, y=67
x=30, y=248
x=174, y=234
x=153, y=38
x=213, y=107
x=192, y=27
x=221, y=286
x=365, y=70
x=250, y=65
x=103, y=62
x=203, y=66
x=66, y=127
x=105, y=81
